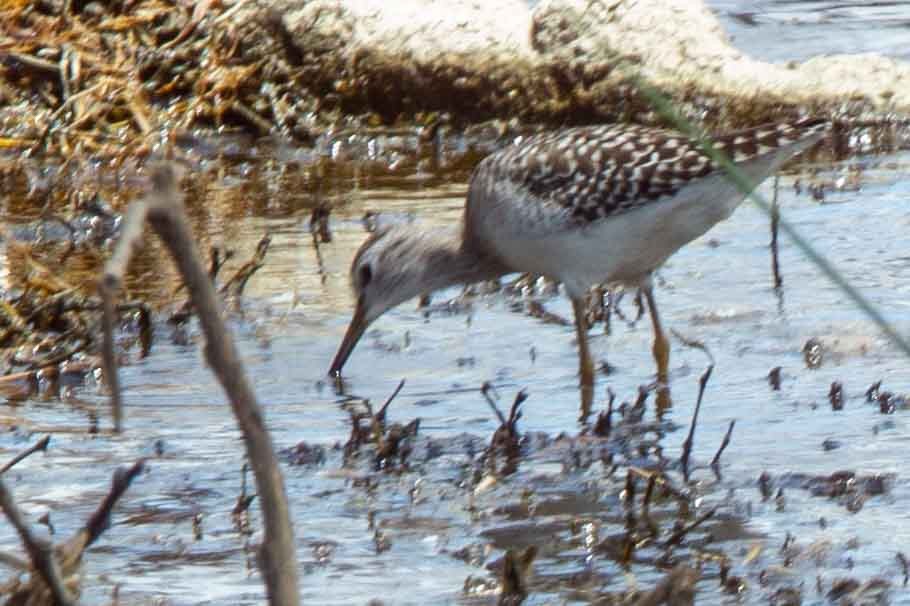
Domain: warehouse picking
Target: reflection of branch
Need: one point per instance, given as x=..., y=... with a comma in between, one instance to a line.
x=319, y=230
x=114, y=270
x=39, y=445
x=39, y=551
x=164, y=210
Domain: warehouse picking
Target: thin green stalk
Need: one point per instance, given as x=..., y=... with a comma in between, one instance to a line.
x=664, y=107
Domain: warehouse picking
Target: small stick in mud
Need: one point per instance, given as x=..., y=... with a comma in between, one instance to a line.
x=775, y=228
x=680, y=533
x=216, y=262
x=687, y=445
x=509, y=423
x=379, y=417
x=905, y=565
x=507, y=434
x=246, y=271
x=243, y=499
x=485, y=389
x=628, y=493
x=774, y=378
x=653, y=528
x=872, y=392
x=836, y=395
x=515, y=574
x=715, y=462
x=391, y=441
x=765, y=485
x=39, y=445
x=506, y=439
x=604, y=423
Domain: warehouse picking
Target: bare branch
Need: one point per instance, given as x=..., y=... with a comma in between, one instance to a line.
x=381, y=414
x=39, y=551
x=101, y=519
x=690, y=439
x=675, y=589
x=278, y=559
x=715, y=463
x=39, y=445
x=114, y=270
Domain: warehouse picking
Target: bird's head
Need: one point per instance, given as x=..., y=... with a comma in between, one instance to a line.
x=394, y=264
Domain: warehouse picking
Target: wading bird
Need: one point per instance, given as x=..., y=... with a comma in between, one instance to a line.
x=584, y=206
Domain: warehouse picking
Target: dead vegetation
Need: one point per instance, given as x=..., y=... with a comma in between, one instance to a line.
x=114, y=80
x=54, y=572
x=48, y=328
x=65, y=316
x=50, y=323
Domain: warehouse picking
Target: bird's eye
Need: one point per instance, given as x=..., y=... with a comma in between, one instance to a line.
x=366, y=274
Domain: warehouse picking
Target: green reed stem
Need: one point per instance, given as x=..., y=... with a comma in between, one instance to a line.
x=664, y=107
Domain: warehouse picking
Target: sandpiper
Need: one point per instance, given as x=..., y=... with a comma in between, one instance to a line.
x=584, y=206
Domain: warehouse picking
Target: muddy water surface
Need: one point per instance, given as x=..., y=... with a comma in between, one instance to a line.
x=438, y=532
x=426, y=535
x=804, y=29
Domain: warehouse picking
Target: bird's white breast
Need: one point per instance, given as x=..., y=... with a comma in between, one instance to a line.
x=626, y=247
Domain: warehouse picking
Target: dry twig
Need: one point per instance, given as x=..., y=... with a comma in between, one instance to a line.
x=690, y=439
x=715, y=462
x=775, y=228
x=164, y=210
x=39, y=445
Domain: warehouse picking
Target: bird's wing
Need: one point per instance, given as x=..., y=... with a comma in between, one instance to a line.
x=590, y=173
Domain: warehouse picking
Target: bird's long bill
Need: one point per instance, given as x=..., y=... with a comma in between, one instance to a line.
x=355, y=330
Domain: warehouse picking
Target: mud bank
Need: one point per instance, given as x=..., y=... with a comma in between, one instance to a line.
x=118, y=81
x=573, y=61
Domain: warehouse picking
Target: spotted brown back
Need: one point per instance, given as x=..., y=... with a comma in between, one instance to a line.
x=597, y=171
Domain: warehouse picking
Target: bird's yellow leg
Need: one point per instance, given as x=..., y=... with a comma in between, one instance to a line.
x=585, y=364
x=661, y=350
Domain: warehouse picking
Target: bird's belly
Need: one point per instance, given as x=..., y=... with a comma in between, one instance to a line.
x=582, y=258
x=622, y=248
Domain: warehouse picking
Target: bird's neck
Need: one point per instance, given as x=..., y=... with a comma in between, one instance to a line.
x=454, y=261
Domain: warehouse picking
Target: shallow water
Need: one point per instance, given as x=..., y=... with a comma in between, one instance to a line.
x=783, y=30
x=717, y=291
